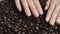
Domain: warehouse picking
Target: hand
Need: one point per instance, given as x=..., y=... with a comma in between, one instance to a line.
x=28, y=5
x=53, y=14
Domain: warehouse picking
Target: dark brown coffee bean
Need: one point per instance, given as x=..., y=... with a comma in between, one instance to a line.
x=14, y=22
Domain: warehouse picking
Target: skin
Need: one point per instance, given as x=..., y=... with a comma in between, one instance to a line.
x=30, y=6
x=53, y=7
x=17, y=2
x=58, y=19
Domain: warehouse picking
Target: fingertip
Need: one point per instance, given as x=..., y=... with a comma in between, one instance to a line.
x=58, y=21
x=27, y=12
x=45, y=8
x=18, y=5
x=51, y=23
x=20, y=9
x=42, y=12
x=36, y=15
x=28, y=15
x=46, y=20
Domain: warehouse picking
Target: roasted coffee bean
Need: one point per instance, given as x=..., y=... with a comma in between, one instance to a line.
x=12, y=12
x=14, y=22
x=7, y=11
x=20, y=20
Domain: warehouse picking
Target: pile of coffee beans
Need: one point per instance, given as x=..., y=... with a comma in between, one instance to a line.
x=14, y=22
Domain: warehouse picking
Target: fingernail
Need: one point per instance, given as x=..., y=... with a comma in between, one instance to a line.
x=45, y=8
x=52, y=23
x=42, y=12
x=29, y=15
x=37, y=15
x=47, y=20
x=58, y=21
x=20, y=9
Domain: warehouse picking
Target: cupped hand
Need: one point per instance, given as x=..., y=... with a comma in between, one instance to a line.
x=53, y=14
x=30, y=6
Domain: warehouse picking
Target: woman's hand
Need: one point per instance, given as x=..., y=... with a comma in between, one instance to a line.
x=53, y=14
x=28, y=5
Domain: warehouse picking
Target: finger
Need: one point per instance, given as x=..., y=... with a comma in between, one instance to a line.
x=50, y=10
x=54, y=15
x=58, y=18
x=33, y=8
x=17, y=2
x=26, y=8
x=47, y=4
x=38, y=6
